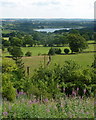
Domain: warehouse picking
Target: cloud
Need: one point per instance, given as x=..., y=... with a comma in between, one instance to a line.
x=48, y=8
x=45, y=3
x=7, y=4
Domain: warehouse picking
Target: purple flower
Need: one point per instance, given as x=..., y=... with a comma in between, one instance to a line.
x=30, y=102
x=84, y=91
x=87, y=112
x=5, y=113
x=77, y=89
x=34, y=101
x=63, y=89
x=48, y=110
x=62, y=106
x=20, y=93
x=73, y=93
x=46, y=100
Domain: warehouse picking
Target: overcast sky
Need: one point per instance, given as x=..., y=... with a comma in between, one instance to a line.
x=47, y=9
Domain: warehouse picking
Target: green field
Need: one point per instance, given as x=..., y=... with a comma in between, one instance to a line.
x=35, y=61
x=6, y=38
x=84, y=59
x=7, y=31
x=44, y=50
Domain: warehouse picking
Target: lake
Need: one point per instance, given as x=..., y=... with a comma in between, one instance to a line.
x=51, y=29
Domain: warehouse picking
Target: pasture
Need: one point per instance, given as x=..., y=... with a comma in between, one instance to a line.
x=37, y=58
x=83, y=59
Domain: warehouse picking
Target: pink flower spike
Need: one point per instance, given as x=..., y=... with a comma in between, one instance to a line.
x=73, y=93
x=77, y=89
x=5, y=113
x=46, y=100
x=63, y=89
x=84, y=91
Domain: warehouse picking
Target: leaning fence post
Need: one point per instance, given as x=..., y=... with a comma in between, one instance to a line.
x=44, y=61
x=28, y=71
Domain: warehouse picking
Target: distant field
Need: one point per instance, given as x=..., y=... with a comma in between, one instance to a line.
x=44, y=50
x=7, y=31
x=40, y=50
x=6, y=38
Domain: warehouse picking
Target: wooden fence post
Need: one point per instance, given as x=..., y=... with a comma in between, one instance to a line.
x=28, y=71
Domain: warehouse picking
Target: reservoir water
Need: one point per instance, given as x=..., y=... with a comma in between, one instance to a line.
x=51, y=29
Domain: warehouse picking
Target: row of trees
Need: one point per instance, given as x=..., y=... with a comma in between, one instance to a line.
x=75, y=41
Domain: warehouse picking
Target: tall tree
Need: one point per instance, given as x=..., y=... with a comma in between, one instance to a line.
x=17, y=54
x=77, y=43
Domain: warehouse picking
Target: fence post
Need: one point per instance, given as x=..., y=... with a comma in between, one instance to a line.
x=28, y=71
x=44, y=60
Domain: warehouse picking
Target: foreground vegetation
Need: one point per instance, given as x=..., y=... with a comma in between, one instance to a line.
x=66, y=107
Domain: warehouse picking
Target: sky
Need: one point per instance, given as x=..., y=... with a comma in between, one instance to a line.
x=47, y=9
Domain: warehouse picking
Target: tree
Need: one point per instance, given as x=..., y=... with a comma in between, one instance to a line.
x=15, y=41
x=94, y=63
x=5, y=43
x=51, y=51
x=15, y=51
x=66, y=51
x=17, y=56
x=28, y=40
x=86, y=36
x=74, y=31
x=77, y=43
x=28, y=53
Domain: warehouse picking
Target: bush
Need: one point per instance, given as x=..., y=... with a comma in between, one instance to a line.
x=9, y=92
x=70, y=76
x=28, y=53
x=57, y=50
x=53, y=51
x=66, y=51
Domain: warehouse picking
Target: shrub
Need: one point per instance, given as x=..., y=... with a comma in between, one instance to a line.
x=57, y=50
x=9, y=92
x=66, y=51
x=70, y=76
x=28, y=53
x=53, y=51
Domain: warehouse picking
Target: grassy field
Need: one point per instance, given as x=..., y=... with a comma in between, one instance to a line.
x=44, y=50
x=6, y=38
x=84, y=59
x=7, y=31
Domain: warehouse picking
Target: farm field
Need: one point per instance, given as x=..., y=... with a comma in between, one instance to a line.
x=84, y=59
